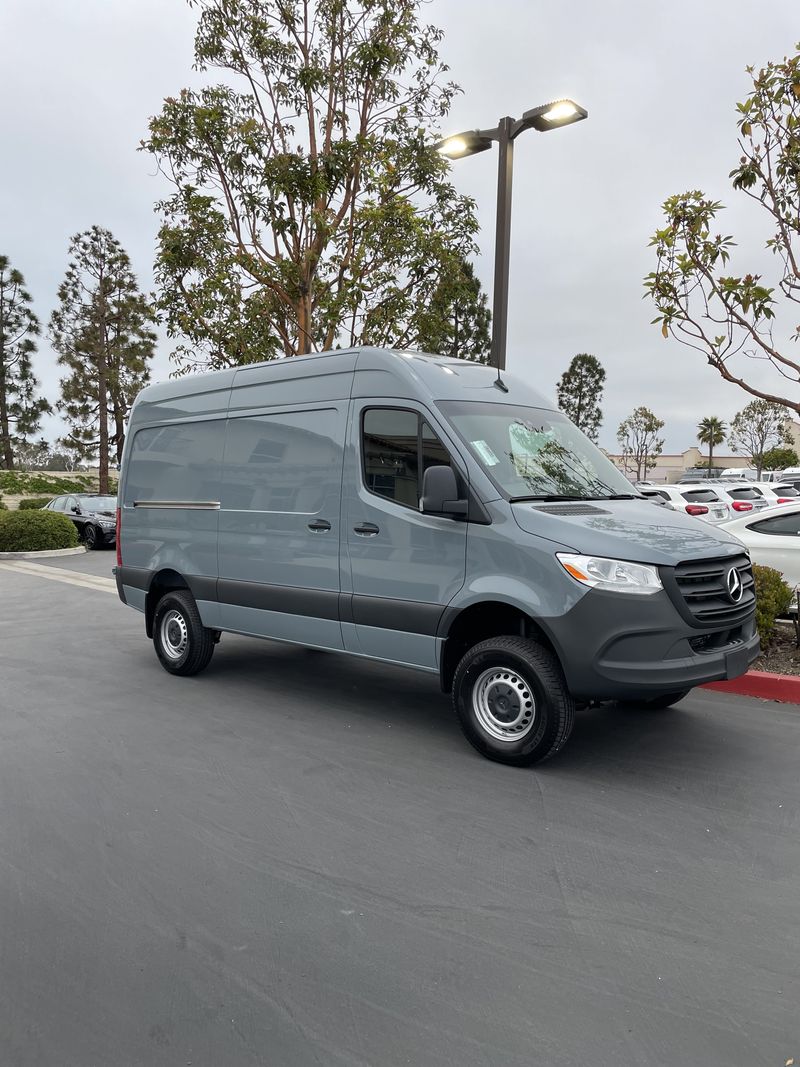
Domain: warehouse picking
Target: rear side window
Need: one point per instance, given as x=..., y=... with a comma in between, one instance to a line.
x=700, y=496
x=176, y=464
x=781, y=525
x=286, y=462
x=58, y=503
x=397, y=447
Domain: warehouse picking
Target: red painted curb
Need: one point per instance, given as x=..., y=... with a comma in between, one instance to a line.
x=785, y=688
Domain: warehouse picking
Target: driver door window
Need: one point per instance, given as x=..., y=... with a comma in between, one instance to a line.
x=398, y=446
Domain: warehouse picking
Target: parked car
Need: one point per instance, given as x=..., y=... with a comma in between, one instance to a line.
x=95, y=516
x=772, y=538
x=777, y=493
x=701, y=501
x=741, y=497
x=414, y=510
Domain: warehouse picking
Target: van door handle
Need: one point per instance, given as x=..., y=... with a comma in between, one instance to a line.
x=319, y=525
x=366, y=529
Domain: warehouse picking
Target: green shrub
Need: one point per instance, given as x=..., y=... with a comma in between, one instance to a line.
x=773, y=597
x=30, y=503
x=3, y=507
x=18, y=482
x=36, y=531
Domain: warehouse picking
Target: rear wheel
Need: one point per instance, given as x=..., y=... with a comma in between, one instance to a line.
x=512, y=701
x=656, y=703
x=183, y=645
x=90, y=536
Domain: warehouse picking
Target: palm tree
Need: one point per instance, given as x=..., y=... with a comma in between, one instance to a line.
x=711, y=431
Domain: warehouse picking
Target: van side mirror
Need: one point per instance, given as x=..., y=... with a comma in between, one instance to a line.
x=440, y=493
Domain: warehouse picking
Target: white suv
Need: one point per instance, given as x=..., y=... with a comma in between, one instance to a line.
x=699, y=500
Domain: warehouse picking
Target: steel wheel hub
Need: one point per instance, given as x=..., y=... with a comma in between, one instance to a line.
x=503, y=704
x=174, y=634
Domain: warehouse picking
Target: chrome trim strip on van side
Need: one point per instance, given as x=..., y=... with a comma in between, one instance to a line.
x=189, y=505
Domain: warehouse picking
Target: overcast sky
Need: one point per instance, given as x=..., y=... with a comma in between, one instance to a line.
x=80, y=79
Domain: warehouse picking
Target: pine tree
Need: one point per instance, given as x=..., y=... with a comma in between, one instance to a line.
x=580, y=392
x=457, y=321
x=102, y=333
x=21, y=409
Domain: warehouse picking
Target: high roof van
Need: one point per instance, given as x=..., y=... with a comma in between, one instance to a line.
x=422, y=511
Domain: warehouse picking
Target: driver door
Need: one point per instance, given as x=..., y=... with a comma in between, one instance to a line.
x=400, y=568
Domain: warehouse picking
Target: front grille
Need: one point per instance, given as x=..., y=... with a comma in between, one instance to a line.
x=700, y=590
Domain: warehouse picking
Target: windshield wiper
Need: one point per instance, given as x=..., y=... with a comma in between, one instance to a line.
x=615, y=496
x=549, y=497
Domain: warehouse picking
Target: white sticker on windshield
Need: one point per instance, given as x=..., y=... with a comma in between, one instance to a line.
x=486, y=454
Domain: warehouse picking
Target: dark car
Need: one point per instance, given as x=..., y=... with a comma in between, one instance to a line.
x=95, y=516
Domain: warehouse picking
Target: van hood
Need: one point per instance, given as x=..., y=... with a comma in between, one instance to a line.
x=635, y=530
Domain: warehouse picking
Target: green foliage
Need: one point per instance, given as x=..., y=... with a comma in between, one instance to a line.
x=773, y=597
x=102, y=332
x=20, y=408
x=758, y=427
x=639, y=441
x=32, y=503
x=309, y=208
x=456, y=323
x=36, y=531
x=580, y=391
x=779, y=458
x=711, y=431
x=17, y=483
x=3, y=507
x=727, y=316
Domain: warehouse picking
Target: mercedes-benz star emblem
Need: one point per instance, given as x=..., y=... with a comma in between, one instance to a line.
x=735, y=589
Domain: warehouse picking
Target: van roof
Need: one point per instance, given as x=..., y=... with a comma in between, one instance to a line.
x=379, y=372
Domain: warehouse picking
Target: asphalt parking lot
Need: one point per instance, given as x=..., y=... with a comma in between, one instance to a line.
x=295, y=859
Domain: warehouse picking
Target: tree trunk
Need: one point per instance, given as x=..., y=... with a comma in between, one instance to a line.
x=119, y=434
x=102, y=392
x=5, y=428
x=710, y=455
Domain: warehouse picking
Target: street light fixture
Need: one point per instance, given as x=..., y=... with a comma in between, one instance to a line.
x=469, y=143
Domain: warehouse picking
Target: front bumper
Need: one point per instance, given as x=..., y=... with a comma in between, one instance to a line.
x=616, y=646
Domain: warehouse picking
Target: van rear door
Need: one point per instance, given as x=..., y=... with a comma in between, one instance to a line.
x=403, y=567
x=279, y=524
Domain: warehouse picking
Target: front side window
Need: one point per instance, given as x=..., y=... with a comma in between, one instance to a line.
x=535, y=454
x=397, y=447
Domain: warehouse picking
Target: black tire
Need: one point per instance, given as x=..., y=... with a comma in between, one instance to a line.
x=90, y=537
x=183, y=645
x=655, y=703
x=538, y=706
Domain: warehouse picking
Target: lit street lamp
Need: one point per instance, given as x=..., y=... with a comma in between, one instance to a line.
x=547, y=117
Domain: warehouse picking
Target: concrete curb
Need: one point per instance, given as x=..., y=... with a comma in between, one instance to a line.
x=43, y=555
x=784, y=688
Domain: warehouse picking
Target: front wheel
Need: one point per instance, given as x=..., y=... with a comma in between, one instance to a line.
x=512, y=701
x=183, y=645
x=90, y=537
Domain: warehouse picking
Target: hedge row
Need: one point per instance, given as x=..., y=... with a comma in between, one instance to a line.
x=36, y=531
x=30, y=503
x=18, y=482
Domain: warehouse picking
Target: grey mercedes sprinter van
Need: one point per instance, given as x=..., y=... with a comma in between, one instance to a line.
x=416, y=510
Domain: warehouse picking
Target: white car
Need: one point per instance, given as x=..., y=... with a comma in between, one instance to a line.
x=778, y=494
x=773, y=538
x=740, y=497
x=699, y=500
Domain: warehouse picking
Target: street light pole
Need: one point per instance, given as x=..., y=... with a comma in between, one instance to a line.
x=547, y=117
x=502, y=248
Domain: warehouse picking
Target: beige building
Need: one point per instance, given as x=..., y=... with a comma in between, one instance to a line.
x=670, y=467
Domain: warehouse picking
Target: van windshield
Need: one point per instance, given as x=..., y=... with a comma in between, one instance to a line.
x=535, y=454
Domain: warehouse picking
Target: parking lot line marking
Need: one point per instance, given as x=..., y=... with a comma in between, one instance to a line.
x=58, y=574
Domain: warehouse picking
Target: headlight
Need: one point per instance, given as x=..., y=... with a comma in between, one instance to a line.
x=617, y=575
x=107, y=524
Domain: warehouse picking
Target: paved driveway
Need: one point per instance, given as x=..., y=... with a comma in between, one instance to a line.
x=295, y=859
